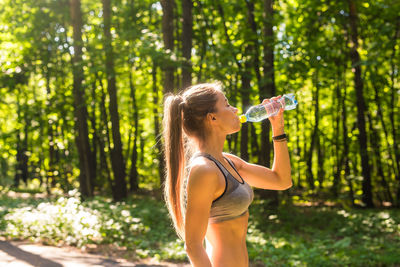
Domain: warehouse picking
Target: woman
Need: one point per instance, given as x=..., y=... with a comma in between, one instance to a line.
x=209, y=197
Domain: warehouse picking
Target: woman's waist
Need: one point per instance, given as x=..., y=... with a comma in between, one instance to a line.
x=229, y=252
x=232, y=231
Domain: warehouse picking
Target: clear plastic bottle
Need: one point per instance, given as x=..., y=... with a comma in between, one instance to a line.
x=263, y=111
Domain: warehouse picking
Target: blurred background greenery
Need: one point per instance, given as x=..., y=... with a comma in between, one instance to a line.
x=81, y=93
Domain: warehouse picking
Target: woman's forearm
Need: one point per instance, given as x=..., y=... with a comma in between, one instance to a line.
x=281, y=163
x=198, y=257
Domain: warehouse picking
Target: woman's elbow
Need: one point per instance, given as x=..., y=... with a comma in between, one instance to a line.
x=288, y=183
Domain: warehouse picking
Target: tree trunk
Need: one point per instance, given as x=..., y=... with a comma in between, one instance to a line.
x=254, y=52
x=396, y=137
x=361, y=108
x=339, y=157
x=245, y=76
x=320, y=171
x=49, y=174
x=255, y=148
x=117, y=160
x=298, y=151
x=314, y=136
x=346, y=151
x=245, y=92
x=160, y=151
x=80, y=110
x=267, y=87
x=187, y=35
x=378, y=102
x=375, y=142
x=178, y=47
x=168, y=37
x=104, y=126
x=40, y=119
x=65, y=184
x=18, y=166
x=25, y=158
x=133, y=174
x=95, y=138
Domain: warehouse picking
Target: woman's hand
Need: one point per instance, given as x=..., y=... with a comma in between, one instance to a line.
x=277, y=121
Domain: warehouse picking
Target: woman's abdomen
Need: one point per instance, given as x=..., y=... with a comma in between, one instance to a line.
x=226, y=243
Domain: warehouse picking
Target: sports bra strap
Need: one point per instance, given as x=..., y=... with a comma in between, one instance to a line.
x=224, y=171
x=233, y=167
x=219, y=165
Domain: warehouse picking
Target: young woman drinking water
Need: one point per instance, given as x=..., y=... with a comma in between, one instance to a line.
x=207, y=191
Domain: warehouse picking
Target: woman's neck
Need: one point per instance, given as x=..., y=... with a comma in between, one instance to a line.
x=213, y=145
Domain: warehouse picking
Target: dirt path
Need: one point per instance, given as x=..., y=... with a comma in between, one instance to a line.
x=21, y=254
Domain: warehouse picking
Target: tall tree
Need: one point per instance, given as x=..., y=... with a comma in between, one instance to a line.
x=21, y=171
x=117, y=160
x=245, y=76
x=255, y=62
x=168, y=37
x=160, y=154
x=133, y=174
x=187, y=33
x=267, y=89
x=361, y=107
x=346, y=152
x=395, y=133
x=86, y=175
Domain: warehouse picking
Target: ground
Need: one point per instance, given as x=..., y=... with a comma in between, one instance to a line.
x=21, y=254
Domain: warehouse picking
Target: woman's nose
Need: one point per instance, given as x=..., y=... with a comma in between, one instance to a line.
x=236, y=110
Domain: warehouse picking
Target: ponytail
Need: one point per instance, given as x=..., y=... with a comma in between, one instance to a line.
x=183, y=113
x=174, y=157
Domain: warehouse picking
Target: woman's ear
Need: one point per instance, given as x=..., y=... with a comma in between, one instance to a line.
x=211, y=117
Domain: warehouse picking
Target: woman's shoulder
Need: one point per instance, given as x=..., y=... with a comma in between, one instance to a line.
x=201, y=166
x=203, y=176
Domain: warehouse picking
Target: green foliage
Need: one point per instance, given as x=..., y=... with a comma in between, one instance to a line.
x=324, y=236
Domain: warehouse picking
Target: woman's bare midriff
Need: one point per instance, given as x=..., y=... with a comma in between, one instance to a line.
x=226, y=242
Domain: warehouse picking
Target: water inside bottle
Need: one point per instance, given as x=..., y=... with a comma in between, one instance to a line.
x=260, y=112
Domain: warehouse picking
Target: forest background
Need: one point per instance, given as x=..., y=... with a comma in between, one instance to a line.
x=82, y=86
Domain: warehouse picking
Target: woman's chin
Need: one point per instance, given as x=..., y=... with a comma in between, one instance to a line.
x=237, y=129
x=239, y=125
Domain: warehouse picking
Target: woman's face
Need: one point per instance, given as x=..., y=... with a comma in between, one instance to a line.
x=226, y=118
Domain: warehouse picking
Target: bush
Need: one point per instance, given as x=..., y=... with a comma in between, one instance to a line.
x=64, y=221
x=141, y=224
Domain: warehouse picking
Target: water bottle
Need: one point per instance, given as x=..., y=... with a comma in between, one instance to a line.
x=263, y=111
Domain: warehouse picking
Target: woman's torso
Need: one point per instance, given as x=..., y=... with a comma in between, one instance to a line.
x=226, y=242
x=227, y=228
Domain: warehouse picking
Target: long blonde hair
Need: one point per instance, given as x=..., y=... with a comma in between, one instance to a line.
x=184, y=116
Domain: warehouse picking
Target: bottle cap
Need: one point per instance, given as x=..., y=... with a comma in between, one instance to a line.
x=242, y=118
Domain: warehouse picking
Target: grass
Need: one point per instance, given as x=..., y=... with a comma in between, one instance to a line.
x=324, y=236
x=288, y=236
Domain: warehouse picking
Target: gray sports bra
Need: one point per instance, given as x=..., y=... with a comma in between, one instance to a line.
x=235, y=199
